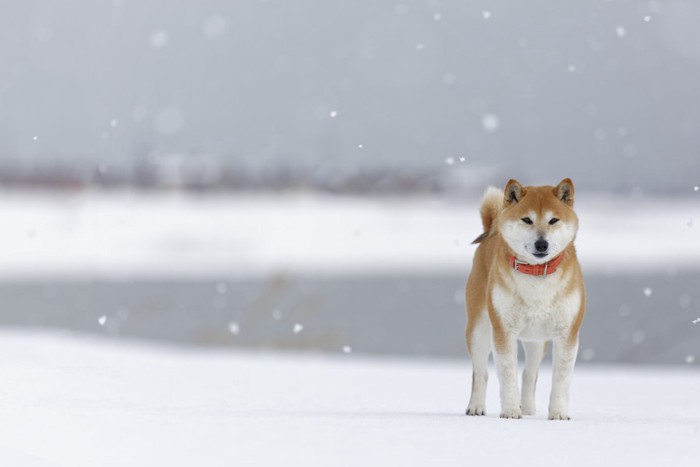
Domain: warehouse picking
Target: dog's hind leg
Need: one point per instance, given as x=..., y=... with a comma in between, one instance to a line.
x=479, y=346
x=534, y=353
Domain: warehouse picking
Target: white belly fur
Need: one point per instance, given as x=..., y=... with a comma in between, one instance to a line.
x=535, y=307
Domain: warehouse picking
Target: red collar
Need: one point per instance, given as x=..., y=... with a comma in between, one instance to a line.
x=536, y=269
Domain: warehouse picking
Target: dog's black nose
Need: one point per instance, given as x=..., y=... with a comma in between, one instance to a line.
x=541, y=246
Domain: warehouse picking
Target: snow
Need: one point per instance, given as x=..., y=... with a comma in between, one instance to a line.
x=490, y=122
x=73, y=401
x=129, y=234
x=298, y=328
x=159, y=38
x=215, y=26
x=169, y=120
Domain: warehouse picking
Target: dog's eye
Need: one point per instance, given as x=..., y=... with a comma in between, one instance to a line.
x=527, y=220
x=553, y=220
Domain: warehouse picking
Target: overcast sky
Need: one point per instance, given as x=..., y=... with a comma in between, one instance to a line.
x=604, y=92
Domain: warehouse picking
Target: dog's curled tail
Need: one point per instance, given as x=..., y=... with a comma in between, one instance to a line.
x=491, y=205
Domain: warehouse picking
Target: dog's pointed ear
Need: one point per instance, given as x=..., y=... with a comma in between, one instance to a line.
x=513, y=193
x=565, y=192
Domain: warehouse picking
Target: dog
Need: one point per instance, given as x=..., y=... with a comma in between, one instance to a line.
x=525, y=284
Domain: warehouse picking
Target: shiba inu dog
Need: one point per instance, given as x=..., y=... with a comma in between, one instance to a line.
x=525, y=284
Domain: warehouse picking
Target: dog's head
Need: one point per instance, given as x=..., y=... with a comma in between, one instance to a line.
x=538, y=222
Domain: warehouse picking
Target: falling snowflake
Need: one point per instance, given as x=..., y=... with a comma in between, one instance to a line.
x=234, y=328
x=36, y=138
x=647, y=291
x=490, y=122
x=298, y=328
x=449, y=78
x=696, y=321
x=638, y=336
x=587, y=354
x=620, y=31
x=462, y=159
x=333, y=114
x=571, y=68
x=449, y=160
x=359, y=146
x=437, y=16
x=113, y=123
x=647, y=18
x=347, y=349
x=695, y=188
x=102, y=320
x=277, y=314
x=159, y=38
x=221, y=287
x=420, y=46
x=169, y=120
x=401, y=9
x=690, y=359
x=215, y=26
x=486, y=14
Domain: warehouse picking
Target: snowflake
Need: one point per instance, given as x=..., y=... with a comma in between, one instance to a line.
x=490, y=122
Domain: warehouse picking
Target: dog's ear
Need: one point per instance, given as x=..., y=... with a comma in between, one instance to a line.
x=565, y=192
x=513, y=193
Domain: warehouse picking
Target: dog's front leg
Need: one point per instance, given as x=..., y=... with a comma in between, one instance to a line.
x=564, y=352
x=505, y=354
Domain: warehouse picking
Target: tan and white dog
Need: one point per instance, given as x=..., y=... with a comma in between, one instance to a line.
x=526, y=285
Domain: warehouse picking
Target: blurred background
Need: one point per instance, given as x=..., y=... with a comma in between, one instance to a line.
x=306, y=175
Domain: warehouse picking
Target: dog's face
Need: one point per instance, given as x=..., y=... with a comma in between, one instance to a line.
x=538, y=222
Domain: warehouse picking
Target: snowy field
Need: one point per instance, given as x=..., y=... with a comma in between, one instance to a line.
x=130, y=234
x=73, y=401
x=374, y=274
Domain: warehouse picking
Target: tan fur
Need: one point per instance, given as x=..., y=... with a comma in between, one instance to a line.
x=491, y=266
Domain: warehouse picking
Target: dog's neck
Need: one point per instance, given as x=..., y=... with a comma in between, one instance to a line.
x=543, y=269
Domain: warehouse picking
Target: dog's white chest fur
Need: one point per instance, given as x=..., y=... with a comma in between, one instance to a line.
x=536, y=307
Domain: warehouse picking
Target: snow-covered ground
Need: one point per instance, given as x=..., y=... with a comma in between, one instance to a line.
x=130, y=234
x=75, y=401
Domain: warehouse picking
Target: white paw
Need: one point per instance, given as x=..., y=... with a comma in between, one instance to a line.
x=476, y=410
x=512, y=413
x=529, y=409
x=558, y=416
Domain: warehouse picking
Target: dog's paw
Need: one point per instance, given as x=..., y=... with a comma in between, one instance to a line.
x=558, y=416
x=512, y=413
x=476, y=410
x=529, y=409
